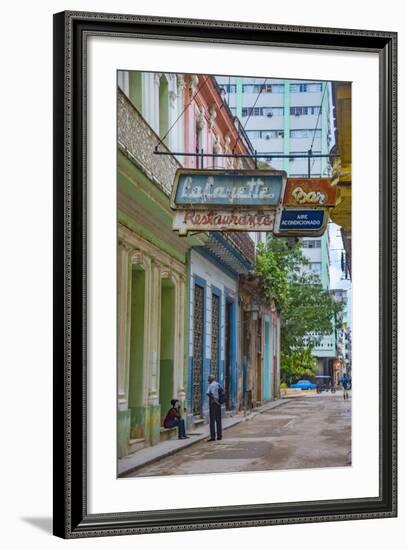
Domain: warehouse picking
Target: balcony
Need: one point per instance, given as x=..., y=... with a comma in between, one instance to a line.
x=137, y=140
x=235, y=251
x=244, y=243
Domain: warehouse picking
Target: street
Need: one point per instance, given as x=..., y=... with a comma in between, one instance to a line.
x=313, y=432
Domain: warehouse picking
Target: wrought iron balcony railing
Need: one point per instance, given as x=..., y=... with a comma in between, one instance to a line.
x=244, y=243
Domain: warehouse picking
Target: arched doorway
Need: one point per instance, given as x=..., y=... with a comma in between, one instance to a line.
x=267, y=360
x=167, y=335
x=136, y=360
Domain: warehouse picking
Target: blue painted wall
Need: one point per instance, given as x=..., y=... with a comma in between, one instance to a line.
x=210, y=274
x=204, y=365
x=217, y=368
x=233, y=352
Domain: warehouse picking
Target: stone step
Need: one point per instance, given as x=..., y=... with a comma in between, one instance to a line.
x=198, y=421
x=136, y=445
x=168, y=433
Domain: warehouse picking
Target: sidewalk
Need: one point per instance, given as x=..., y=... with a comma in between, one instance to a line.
x=166, y=448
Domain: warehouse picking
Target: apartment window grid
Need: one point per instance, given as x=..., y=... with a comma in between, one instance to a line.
x=267, y=88
x=265, y=134
x=306, y=87
x=262, y=111
x=229, y=88
x=316, y=267
x=297, y=167
x=304, y=110
x=307, y=243
x=263, y=88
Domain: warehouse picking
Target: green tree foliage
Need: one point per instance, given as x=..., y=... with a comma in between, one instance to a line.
x=307, y=310
x=298, y=363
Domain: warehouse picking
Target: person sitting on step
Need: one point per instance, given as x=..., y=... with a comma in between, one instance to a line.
x=173, y=418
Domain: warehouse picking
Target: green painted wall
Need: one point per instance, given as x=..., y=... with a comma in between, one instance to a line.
x=123, y=428
x=146, y=420
x=133, y=183
x=138, y=423
x=287, y=105
x=154, y=423
x=167, y=346
x=136, y=352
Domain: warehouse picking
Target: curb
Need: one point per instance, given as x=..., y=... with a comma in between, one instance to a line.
x=198, y=438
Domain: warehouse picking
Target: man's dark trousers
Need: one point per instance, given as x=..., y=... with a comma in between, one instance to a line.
x=215, y=417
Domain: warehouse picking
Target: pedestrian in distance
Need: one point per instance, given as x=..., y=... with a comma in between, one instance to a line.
x=345, y=385
x=216, y=395
x=173, y=419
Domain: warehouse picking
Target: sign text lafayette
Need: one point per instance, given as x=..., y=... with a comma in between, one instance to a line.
x=202, y=189
x=310, y=192
x=223, y=220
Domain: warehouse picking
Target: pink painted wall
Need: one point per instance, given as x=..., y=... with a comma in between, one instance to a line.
x=205, y=98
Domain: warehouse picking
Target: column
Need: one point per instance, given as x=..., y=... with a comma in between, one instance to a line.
x=153, y=358
x=123, y=348
x=124, y=294
x=179, y=388
x=139, y=339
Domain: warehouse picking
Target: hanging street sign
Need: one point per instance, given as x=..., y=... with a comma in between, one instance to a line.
x=203, y=189
x=310, y=192
x=223, y=220
x=301, y=222
x=251, y=200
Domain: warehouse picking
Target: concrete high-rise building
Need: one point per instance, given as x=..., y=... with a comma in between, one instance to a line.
x=317, y=252
x=344, y=332
x=284, y=117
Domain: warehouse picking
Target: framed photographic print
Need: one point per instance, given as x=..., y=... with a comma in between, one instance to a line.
x=224, y=274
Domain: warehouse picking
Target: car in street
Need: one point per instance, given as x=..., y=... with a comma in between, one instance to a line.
x=303, y=385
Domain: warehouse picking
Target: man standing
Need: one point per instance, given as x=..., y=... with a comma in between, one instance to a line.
x=215, y=393
x=344, y=381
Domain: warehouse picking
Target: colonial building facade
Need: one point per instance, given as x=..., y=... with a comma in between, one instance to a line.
x=179, y=310
x=260, y=337
x=152, y=263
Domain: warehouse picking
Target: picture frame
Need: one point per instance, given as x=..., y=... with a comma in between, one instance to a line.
x=71, y=516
